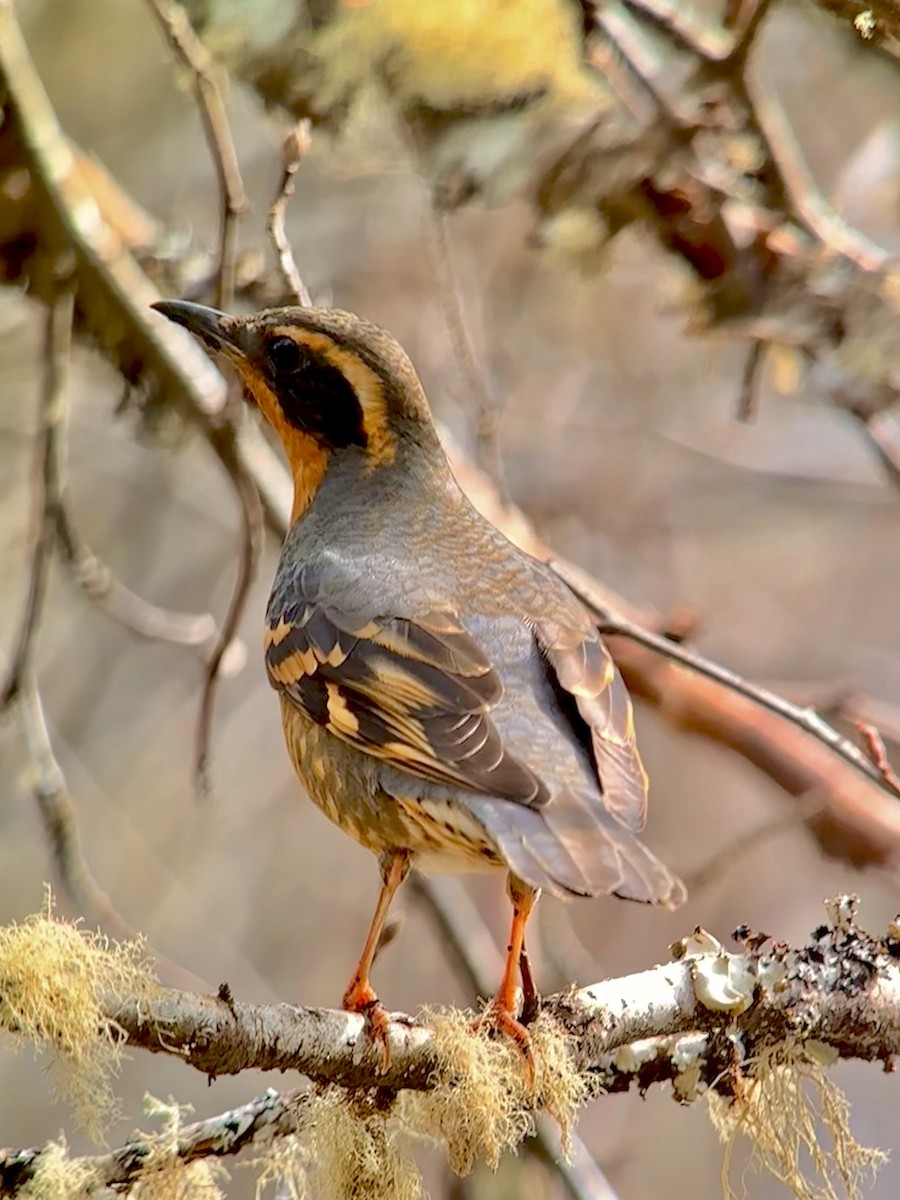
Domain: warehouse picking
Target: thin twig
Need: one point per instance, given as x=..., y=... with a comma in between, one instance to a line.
x=873, y=743
x=140, y=616
x=748, y=396
x=232, y=198
x=806, y=719
x=233, y=203
x=745, y=30
x=809, y=205
x=487, y=411
x=706, y=41
x=252, y=528
x=478, y=961
x=294, y=149
x=48, y=458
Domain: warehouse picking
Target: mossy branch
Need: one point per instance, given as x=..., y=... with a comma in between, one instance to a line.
x=708, y=1022
x=841, y=990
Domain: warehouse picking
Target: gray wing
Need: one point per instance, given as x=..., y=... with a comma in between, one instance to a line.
x=416, y=694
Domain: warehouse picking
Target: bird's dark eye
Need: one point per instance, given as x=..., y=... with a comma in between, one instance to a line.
x=284, y=354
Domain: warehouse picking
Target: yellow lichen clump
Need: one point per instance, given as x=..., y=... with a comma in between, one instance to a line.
x=54, y=978
x=781, y=1110
x=480, y=1107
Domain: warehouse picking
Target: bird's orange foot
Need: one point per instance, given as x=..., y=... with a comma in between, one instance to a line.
x=497, y=1017
x=360, y=998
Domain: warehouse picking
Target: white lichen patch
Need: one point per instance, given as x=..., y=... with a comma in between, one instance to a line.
x=722, y=982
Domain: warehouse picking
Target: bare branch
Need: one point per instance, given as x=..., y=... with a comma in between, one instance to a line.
x=47, y=485
x=252, y=528
x=232, y=199
x=251, y=1126
x=748, y=396
x=140, y=616
x=294, y=149
x=874, y=746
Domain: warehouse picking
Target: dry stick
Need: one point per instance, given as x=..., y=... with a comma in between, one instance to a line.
x=706, y=41
x=748, y=396
x=233, y=203
x=253, y=1126
x=252, y=522
x=807, y=720
x=744, y=30
x=52, y=418
x=487, y=411
x=475, y=954
x=294, y=149
x=810, y=206
x=140, y=616
x=232, y=198
x=873, y=743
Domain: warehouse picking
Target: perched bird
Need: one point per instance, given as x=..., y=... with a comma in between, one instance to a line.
x=446, y=699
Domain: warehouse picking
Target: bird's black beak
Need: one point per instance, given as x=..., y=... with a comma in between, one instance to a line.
x=214, y=328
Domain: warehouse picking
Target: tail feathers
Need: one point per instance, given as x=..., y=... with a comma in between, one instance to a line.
x=572, y=847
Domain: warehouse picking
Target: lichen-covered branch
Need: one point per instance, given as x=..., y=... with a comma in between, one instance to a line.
x=251, y=1127
x=841, y=990
x=710, y=1021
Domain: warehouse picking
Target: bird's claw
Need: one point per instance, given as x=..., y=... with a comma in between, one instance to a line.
x=363, y=1000
x=498, y=1018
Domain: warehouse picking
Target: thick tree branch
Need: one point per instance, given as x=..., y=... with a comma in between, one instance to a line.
x=841, y=989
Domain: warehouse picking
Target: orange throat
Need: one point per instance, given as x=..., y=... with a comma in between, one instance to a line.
x=308, y=460
x=309, y=463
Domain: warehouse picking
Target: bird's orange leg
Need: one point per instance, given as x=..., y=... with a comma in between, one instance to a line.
x=360, y=996
x=502, y=1011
